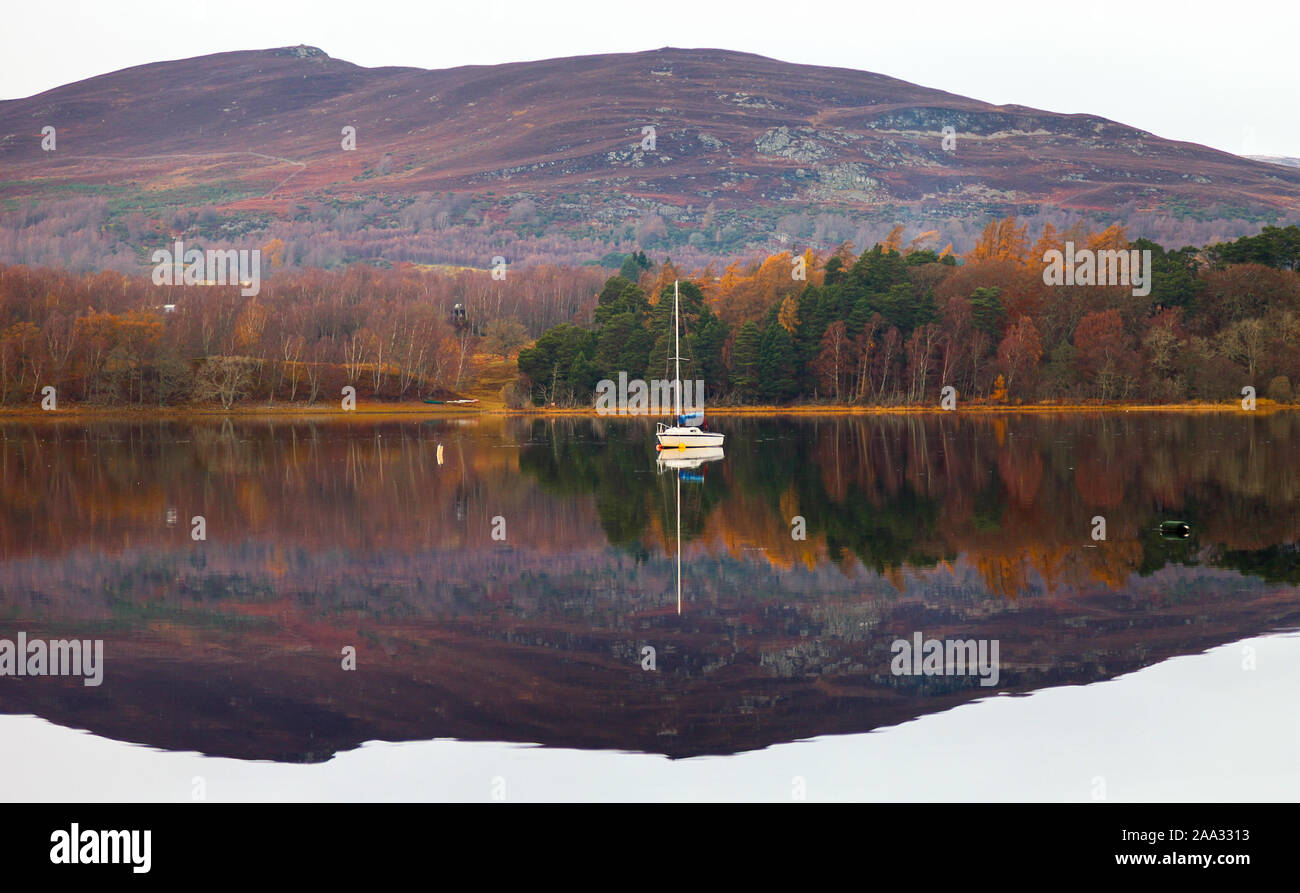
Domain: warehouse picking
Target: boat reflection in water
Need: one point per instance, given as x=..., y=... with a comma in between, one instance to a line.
x=688, y=462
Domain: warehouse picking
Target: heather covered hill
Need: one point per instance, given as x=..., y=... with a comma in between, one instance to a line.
x=550, y=160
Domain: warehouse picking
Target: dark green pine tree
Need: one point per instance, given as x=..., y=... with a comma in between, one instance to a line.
x=710, y=335
x=623, y=346
x=1173, y=274
x=813, y=316
x=777, y=375
x=690, y=298
x=660, y=364
x=583, y=376
x=548, y=363
x=860, y=316
x=745, y=360
x=630, y=270
x=987, y=312
x=617, y=297
x=902, y=308
x=633, y=265
x=878, y=270
x=834, y=271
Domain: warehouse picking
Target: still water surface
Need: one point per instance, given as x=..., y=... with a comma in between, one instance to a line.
x=502, y=579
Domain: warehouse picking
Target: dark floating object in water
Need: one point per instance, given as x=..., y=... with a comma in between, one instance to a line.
x=1175, y=530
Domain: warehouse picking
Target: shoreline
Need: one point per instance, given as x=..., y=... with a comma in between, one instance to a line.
x=420, y=410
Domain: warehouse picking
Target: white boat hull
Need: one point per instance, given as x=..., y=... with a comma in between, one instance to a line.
x=687, y=438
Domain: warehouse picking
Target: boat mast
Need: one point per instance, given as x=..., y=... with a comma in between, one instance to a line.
x=677, y=358
x=677, y=411
x=679, y=542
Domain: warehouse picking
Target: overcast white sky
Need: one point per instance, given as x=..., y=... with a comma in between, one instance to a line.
x=1218, y=73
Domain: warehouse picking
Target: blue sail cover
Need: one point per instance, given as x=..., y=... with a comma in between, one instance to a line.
x=687, y=419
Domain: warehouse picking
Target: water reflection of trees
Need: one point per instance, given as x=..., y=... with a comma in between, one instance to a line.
x=1010, y=492
x=1014, y=495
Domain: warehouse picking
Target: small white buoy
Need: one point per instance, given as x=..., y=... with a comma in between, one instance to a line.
x=439, y=454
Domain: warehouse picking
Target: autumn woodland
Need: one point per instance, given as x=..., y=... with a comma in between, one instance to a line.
x=889, y=326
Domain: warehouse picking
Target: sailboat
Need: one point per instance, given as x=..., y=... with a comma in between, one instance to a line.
x=685, y=433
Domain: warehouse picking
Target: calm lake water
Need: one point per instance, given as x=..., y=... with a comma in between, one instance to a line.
x=505, y=585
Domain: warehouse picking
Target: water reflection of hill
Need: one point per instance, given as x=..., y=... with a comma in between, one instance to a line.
x=335, y=535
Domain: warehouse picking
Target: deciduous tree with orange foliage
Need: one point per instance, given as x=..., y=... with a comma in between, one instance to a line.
x=1002, y=240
